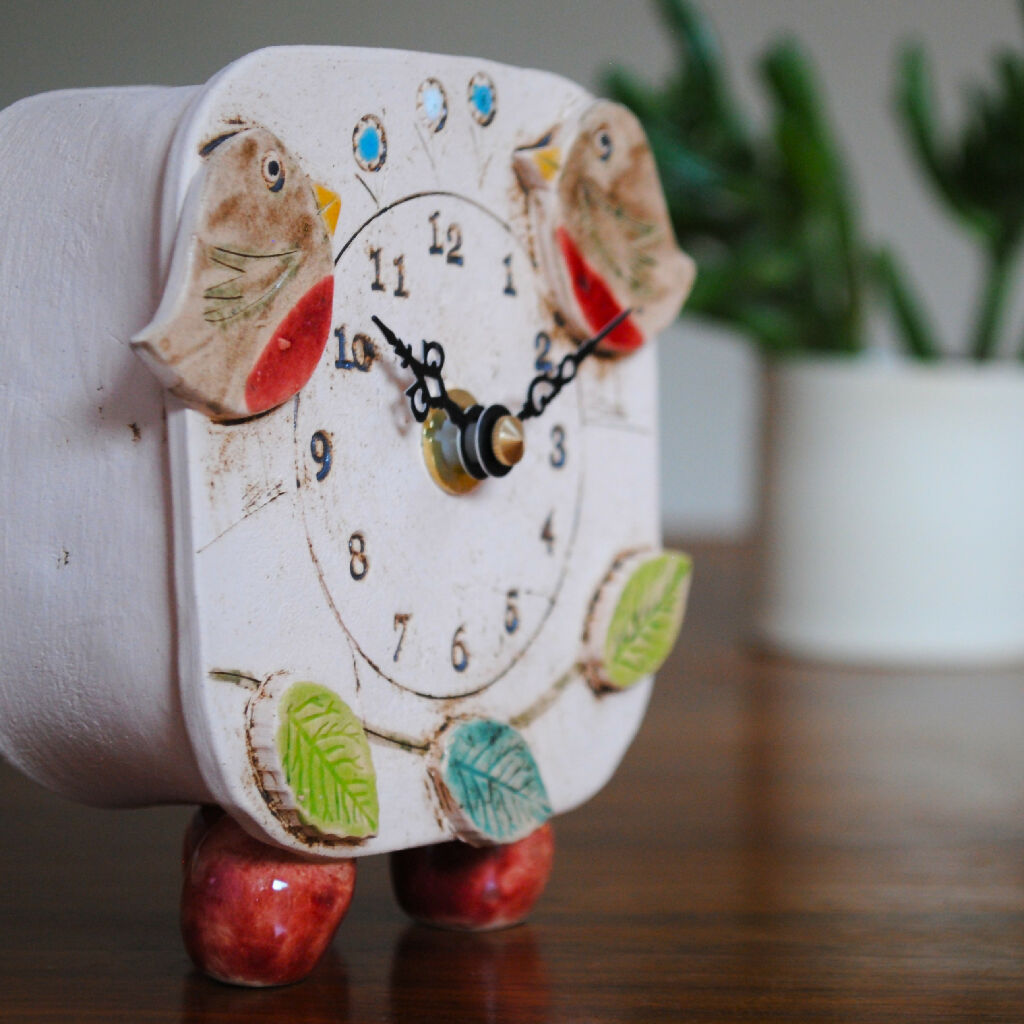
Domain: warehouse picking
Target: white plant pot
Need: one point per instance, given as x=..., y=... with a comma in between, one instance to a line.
x=893, y=519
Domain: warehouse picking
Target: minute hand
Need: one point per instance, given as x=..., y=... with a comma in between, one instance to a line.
x=545, y=386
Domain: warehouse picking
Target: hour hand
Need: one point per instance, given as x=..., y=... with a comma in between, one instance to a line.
x=464, y=442
x=427, y=391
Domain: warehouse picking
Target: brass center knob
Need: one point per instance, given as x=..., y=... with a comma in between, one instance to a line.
x=507, y=440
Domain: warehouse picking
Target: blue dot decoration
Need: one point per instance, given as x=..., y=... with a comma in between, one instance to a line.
x=432, y=102
x=369, y=143
x=483, y=98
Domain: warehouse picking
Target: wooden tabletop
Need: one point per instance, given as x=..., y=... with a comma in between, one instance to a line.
x=782, y=843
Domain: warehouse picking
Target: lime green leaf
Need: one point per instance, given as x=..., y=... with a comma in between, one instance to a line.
x=647, y=618
x=493, y=778
x=326, y=761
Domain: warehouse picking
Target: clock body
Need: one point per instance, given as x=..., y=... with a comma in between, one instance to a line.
x=364, y=660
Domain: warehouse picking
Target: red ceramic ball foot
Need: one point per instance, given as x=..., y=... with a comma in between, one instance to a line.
x=453, y=885
x=252, y=914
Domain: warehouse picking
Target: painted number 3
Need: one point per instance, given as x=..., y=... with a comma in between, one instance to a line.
x=558, y=454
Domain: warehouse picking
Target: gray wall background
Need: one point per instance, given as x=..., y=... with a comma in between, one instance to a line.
x=709, y=380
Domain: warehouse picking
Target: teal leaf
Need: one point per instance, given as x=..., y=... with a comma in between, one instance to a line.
x=326, y=761
x=494, y=781
x=647, y=618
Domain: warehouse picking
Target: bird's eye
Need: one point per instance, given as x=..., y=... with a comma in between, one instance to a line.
x=603, y=139
x=273, y=171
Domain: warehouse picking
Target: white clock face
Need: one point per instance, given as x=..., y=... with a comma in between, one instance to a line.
x=487, y=565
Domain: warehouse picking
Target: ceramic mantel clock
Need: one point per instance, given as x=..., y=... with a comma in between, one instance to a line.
x=364, y=548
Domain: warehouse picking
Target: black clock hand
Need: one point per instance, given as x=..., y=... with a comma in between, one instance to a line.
x=428, y=392
x=489, y=439
x=545, y=386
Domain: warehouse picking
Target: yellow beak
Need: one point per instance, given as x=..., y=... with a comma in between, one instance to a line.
x=537, y=166
x=328, y=206
x=548, y=161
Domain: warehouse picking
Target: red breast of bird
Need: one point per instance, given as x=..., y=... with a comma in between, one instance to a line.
x=247, y=307
x=601, y=227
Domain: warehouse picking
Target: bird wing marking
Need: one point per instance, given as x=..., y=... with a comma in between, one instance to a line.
x=256, y=279
x=639, y=236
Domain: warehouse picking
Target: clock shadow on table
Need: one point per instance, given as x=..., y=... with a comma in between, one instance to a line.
x=433, y=975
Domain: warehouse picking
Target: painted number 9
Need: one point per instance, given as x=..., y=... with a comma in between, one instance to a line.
x=320, y=449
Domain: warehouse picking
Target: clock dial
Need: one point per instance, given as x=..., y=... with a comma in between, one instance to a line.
x=490, y=562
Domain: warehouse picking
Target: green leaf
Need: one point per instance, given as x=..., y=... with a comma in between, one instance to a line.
x=327, y=763
x=493, y=778
x=647, y=619
x=918, y=336
x=916, y=106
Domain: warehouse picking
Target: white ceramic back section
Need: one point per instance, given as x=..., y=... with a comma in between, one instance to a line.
x=89, y=701
x=106, y=692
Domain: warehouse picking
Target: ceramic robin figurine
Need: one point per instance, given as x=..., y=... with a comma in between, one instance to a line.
x=247, y=307
x=601, y=226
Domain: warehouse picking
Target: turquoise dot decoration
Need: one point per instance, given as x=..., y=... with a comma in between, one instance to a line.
x=432, y=101
x=369, y=143
x=483, y=98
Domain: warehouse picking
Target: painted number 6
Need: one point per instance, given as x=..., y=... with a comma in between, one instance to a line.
x=460, y=656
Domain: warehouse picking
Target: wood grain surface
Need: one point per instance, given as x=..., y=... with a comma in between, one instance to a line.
x=782, y=843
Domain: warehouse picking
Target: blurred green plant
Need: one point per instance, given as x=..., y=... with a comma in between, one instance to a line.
x=770, y=218
x=977, y=173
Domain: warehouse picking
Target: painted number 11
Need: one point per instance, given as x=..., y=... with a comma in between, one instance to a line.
x=378, y=284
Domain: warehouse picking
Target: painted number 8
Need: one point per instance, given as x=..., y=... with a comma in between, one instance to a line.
x=359, y=563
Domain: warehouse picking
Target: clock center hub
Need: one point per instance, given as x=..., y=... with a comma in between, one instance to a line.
x=459, y=457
